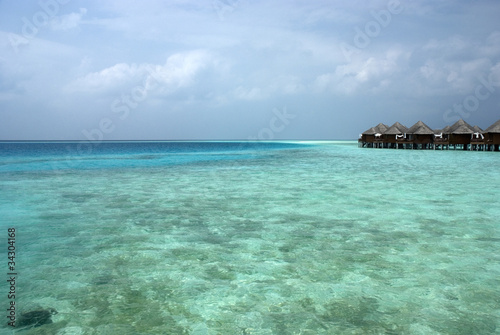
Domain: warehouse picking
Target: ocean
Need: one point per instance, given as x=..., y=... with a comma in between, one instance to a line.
x=250, y=238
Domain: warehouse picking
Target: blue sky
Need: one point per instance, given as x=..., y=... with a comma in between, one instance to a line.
x=240, y=69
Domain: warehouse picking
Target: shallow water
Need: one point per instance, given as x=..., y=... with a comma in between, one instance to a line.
x=268, y=238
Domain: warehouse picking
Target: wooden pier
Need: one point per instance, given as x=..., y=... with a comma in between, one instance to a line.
x=459, y=136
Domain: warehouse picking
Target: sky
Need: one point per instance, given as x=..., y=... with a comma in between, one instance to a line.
x=99, y=70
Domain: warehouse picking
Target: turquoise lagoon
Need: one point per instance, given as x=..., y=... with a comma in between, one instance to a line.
x=252, y=238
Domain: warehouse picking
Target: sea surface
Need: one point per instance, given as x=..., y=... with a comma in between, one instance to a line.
x=251, y=238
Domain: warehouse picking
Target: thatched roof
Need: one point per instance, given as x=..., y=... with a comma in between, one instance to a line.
x=494, y=128
x=423, y=131
x=477, y=129
x=415, y=127
x=371, y=131
x=463, y=126
x=463, y=130
x=378, y=129
x=381, y=127
x=396, y=129
x=420, y=128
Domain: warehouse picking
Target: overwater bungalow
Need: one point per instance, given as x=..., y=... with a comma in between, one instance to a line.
x=441, y=138
x=394, y=136
x=368, y=137
x=460, y=135
x=420, y=136
x=492, y=137
x=477, y=141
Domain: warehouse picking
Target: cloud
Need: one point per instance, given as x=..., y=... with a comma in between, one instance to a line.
x=492, y=46
x=437, y=67
x=261, y=54
x=109, y=78
x=288, y=85
x=254, y=93
x=179, y=71
x=367, y=75
x=453, y=65
x=69, y=21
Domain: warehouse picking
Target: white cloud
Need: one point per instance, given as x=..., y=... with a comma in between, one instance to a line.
x=67, y=22
x=453, y=65
x=289, y=85
x=495, y=73
x=178, y=71
x=492, y=46
x=260, y=89
x=254, y=93
x=361, y=74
